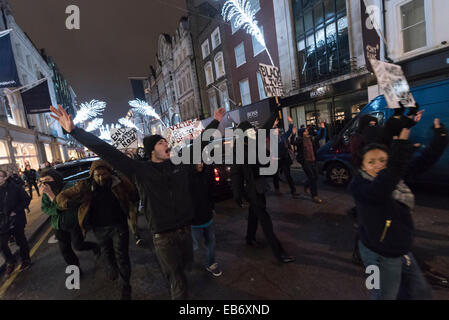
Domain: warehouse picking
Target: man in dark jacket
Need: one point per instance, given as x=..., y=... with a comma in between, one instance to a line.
x=64, y=222
x=202, y=223
x=13, y=201
x=163, y=189
x=246, y=179
x=30, y=176
x=105, y=201
x=306, y=156
x=285, y=161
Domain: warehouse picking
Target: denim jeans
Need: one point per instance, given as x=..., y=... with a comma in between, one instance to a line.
x=400, y=278
x=208, y=233
x=174, y=251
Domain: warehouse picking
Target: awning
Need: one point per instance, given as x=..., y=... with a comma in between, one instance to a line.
x=37, y=99
x=9, y=77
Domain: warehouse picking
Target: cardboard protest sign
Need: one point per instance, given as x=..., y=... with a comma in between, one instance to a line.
x=272, y=82
x=393, y=84
x=179, y=134
x=124, y=138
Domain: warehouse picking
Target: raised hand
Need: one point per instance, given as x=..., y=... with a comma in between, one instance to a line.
x=219, y=114
x=290, y=120
x=436, y=123
x=64, y=119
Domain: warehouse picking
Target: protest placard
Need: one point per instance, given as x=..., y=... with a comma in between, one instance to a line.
x=123, y=138
x=178, y=135
x=272, y=82
x=393, y=84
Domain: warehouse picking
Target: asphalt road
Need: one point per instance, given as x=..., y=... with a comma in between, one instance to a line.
x=320, y=236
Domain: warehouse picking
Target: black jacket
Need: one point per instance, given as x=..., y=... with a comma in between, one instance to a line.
x=375, y=204
x=15, y=200
x=163, y=187
x=30, y=175
x=246, y=180
x=201, y=187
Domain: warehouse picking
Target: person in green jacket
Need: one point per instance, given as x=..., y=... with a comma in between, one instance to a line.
x=64, y=222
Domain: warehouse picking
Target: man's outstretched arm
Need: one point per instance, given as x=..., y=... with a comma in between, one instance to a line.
x=114, y=157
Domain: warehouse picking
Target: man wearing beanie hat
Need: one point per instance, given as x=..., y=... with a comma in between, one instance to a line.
x=104, y=202
x=64, y=222
x=163, y=189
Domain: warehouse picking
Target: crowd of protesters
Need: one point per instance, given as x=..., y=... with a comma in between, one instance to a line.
x=179, y=207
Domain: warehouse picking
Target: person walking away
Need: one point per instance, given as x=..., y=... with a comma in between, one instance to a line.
x=202, y=223
x=306, y=156
x=30, y=177
x=13, y=201
x=64, y=222
x=105, y=201
x=384, y=205
x=164, y=190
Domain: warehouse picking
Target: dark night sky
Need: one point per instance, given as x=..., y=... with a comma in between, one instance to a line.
x=117, y=40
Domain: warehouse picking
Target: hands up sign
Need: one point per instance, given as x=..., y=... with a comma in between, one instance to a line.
x=271, y=78
x=393, y=83
x=124, y=138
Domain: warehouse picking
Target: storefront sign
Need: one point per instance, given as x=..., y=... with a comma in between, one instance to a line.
x=124, y=138
x=272, y=82
x=371, y=40
x=393, y=83
x=178, y=135
x=319, y=92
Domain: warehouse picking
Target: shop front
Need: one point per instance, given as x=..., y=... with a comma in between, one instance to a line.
x=335, y=104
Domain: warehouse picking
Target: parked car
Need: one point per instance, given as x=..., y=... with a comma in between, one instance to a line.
x=77, y=170
x=334, y=158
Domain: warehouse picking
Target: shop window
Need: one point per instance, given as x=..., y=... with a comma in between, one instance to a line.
x=4, y=154
x=48, y=153
x=25, y=153
x=413, y=25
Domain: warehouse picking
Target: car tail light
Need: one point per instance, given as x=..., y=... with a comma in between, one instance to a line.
x=217, y=175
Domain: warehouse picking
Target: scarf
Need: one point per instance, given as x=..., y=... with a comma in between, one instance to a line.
x=402, y=193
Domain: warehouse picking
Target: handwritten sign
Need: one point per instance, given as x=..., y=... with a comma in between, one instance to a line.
x=272, y=82
x=393, y=83
x=178, y=135
x=124, y=138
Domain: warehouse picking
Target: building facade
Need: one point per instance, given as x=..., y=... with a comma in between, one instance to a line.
x=27, y=138
x=186, y=82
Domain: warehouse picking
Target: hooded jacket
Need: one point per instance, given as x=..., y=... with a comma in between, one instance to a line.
x=81, y=195
x=163, y=187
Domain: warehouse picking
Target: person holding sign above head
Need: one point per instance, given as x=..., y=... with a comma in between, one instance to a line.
x=163, y=189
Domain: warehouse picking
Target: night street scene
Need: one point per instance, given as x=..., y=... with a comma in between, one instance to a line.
x=231, y=154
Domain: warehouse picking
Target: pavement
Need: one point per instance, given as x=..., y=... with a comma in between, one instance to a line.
x=320, y=236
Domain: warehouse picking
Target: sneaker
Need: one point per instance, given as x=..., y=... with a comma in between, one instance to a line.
x=139, y=241
x=215, y=270
x=287, y=258
x=26, y=264
x=126, y=293
x=317, y=200
x=9, y=269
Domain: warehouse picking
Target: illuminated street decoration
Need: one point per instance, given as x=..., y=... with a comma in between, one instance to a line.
x=128, y=123
x=94, y=124
x=89, y=110
x=105, y=131
x=244, y=17
x=142, y=107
